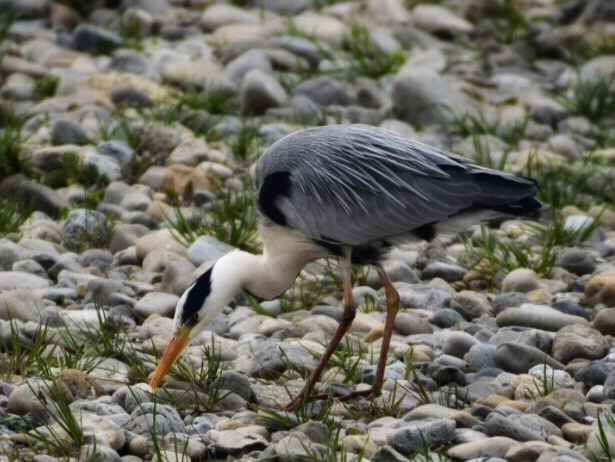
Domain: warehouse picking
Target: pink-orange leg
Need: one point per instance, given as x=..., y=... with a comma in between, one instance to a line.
x=342, y=328
x=392, y=300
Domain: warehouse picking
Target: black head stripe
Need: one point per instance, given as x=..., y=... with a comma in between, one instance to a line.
x=196, y=295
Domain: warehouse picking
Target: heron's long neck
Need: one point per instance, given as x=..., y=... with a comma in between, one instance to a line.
x=268, y=275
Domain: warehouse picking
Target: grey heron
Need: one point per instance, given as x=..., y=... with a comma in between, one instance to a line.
x=350, y=192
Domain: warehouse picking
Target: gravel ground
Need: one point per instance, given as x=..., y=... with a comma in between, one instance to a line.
x=121, y=123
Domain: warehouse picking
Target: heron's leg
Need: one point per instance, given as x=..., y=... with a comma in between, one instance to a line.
x=343, y=326
x=392, y=300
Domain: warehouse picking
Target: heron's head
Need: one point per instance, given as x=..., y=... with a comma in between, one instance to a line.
x=196, y=308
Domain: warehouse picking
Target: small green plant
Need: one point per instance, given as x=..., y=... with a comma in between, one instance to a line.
x=20, y=355
x=12, y=216
x=231, y=219
x=605, y=419
x=91, y=343
x=592, y=97
x=11, y=138
x=8, y=16
x=492, y=255
x=367, y=57
x=202, y=379
x=131, y=30
x=562, y=183
x=218, y=102
x=53, y=437
x=369, y=304
x=120, y=129
x=508, y=20
x=544, y=385
x=351, y=358
x=74, y=171
x=467, y=124
x=246, y=145
x=46, y=86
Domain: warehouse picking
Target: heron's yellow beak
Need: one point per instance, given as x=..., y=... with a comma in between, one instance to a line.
x=174, y=349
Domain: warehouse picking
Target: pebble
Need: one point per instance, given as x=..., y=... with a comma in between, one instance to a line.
x=601, y=289
x=521, y=280
x=538, y=317
x=518, y=358
x=470, y=304
x=604, y=322
x=579, y=341
x=416, y=435
x=493, y=447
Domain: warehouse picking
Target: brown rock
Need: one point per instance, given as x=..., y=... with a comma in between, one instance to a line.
x=77, y=384
x=605, y=321
x=606, y=217
x=601, y=289
x=375, y=334
x=184, y=180
x=158, y=239
x=576, y=432
x=64, y=16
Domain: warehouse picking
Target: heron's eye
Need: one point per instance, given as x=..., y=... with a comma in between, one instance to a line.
x=192, y=320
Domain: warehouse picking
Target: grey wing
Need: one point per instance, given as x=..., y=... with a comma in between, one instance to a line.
x=354, y=184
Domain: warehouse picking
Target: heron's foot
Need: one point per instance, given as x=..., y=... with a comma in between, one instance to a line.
x=370, y=393
x=295, y=404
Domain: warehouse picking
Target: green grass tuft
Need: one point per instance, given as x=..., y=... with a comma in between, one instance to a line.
x=593, y=98
x=491, y=255
x=231, y=218
x=367, y=58
x=47, y=86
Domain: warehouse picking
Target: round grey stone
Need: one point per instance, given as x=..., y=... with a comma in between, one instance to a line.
x=446, y=271
x=98, y=453
x=160, y=303
x=68, y=132
x=207, y=248
x=499, y=425
x=446, y=318
x=594, y=373
x=518, y=358
x=579, y=341
x=537, y=316
x=324, y=91
x=458, y=344
x=20, y=304
x=95, y=40
x=236, y=383
x=470, y=304
x=415, y=435
x=410, y=324
x=577, y=261
x=166, y=419
x=481, y=356
x=260, y=91
x=85, y=229
x=520, y=280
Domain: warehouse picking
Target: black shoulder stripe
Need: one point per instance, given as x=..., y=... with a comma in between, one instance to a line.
x=196, y=295
x=274, y=185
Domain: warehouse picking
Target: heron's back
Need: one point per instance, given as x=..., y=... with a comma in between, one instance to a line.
x=356, y=184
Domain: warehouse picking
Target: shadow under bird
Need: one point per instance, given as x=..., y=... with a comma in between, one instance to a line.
x=349, y=192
